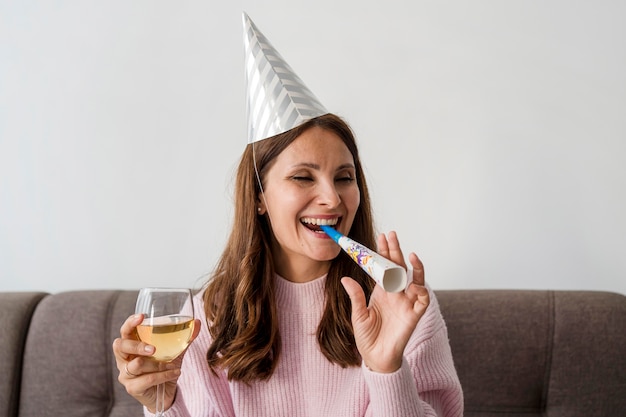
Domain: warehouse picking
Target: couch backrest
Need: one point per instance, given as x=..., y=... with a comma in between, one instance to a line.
x=17, y=310
x=518, y=353
x=538, y=353
x=69, y=368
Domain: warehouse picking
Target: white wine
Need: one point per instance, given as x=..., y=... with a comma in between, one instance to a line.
x=168, y=334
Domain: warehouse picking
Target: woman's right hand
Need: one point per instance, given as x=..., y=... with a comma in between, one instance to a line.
x=139, y=373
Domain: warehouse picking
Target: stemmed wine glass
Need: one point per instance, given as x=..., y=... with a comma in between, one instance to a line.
x=167, y=325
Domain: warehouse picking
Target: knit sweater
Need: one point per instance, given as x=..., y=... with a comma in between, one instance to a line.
x=306, y=384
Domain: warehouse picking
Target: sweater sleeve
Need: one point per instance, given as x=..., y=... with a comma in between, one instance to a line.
x=427, y=383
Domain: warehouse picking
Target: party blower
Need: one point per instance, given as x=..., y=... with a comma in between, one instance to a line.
x=392, y=277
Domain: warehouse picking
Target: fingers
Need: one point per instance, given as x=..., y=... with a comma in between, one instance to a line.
x=389, y=247
x=418, y=269
x=357, y=298
x=420, y=298
x=422, y=302
x=139, y=366
x=128, y=329
x=129, y=373
x=416, y=290
x=126, y=349
x=137, y=386
x=196, y=330
x=127, y=345
x=141, y=374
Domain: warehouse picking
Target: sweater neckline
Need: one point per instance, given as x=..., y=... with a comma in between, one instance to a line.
x=300, y=297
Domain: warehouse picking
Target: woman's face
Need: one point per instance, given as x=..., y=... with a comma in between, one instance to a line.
x=312, y=182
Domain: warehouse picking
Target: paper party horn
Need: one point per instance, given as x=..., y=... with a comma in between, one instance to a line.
x=392, y=277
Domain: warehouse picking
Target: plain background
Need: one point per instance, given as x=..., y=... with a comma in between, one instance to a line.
x=493, y=134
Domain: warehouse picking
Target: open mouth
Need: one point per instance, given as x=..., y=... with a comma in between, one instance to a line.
x=314, y=224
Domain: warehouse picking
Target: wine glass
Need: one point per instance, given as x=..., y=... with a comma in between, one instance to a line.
x=167, y=325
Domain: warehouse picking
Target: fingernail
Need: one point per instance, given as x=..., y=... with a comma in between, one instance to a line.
x=148, y=349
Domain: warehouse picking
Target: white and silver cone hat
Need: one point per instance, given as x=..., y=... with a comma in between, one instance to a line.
x=277, y=99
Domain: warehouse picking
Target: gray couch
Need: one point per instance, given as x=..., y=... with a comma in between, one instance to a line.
x=518, y=353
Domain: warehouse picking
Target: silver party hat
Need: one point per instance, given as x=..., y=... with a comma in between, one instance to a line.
x=277, y=99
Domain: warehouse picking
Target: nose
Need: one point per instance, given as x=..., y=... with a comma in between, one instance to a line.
x=328, y=195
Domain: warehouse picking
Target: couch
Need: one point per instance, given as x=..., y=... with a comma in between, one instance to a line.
x=517, y=352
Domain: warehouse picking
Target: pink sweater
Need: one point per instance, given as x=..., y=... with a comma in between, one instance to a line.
x=306, y=384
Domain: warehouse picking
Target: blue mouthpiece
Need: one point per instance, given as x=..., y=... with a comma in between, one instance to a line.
x=335, y=235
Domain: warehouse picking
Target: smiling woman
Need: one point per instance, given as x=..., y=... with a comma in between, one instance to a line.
x=303, y=174
x=294, y=327
x=313, y=178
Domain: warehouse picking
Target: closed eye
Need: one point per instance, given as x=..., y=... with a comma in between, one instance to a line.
x=345, y=176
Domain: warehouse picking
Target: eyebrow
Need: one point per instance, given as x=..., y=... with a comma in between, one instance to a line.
x=316, y=166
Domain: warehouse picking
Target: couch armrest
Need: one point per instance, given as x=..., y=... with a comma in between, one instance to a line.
x=16, y=311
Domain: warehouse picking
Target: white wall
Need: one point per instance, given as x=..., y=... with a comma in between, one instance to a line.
x=493, y=133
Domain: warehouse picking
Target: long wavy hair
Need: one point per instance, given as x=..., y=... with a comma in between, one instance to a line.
x=239, y=299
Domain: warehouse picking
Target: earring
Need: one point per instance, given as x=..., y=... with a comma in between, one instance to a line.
x=258, y=209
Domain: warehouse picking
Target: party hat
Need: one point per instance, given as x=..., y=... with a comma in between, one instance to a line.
x=277, y=99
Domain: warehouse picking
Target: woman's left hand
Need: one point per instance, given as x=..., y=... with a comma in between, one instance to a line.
x=382, y=329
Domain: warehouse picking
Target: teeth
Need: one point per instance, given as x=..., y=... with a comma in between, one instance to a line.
x=319, y=222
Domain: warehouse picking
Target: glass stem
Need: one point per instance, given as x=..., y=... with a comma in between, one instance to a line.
x=160, y=399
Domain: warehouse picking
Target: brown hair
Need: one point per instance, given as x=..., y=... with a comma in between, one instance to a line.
x=239, y=299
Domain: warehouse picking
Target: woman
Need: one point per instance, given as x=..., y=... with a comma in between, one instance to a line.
x=293, y=326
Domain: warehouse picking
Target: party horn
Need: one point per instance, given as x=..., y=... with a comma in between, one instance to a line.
x=392, y=277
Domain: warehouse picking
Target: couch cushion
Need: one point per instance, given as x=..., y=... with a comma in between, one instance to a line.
x=69, y=369
x=588, y=372
x=538, y=353
x=16, y=309
x=501, y=347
